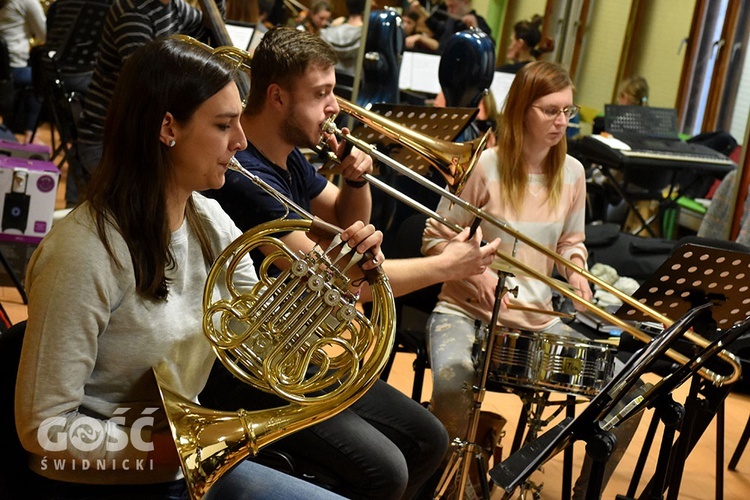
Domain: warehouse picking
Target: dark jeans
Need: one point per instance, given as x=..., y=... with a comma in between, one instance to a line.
x=27, y=105
x=383, y=446
x=85, y=159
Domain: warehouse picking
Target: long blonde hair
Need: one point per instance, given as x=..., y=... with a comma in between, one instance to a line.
x=533, y=81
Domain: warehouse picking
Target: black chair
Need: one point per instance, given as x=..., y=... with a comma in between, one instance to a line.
x=15, y=476
x=413, y=309
x=64, y=106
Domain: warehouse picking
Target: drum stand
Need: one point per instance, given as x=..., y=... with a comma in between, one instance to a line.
x=534, y=404
x=464, y=450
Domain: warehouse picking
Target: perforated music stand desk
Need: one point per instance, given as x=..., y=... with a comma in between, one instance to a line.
x=692, y=275
x=441, y=123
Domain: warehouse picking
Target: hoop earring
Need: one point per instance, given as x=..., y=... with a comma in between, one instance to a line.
x=171, y=143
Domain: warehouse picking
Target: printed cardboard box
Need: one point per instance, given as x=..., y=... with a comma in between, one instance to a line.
x=29, y=151
x=28, y=189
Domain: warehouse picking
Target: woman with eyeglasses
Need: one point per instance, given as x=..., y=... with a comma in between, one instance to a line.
x=530, y=182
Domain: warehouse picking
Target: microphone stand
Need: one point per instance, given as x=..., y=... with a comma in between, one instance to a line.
x=464, y=450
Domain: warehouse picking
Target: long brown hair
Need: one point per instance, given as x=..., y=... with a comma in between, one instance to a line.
x=128, y=188
x=533, y=81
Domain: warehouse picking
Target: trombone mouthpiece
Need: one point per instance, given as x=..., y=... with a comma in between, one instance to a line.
x=330, y=125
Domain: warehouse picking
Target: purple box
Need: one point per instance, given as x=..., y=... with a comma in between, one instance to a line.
x=31, y=151
x=28, y=191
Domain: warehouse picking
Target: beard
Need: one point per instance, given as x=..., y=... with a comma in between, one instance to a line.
x=294, y=133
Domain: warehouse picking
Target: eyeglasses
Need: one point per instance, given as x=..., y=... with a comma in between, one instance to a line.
x=551, y=113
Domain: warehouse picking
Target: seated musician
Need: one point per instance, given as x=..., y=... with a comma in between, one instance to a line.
x=457, y=16
x=632, y=91
x=116, y=289
x=530, y=182
x=527, y=44
x=386, y=445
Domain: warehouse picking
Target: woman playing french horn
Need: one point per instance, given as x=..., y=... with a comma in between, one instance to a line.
x=529, y=181
x=116, y=289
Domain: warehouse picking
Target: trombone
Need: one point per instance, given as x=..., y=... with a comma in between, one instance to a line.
x=455, y=165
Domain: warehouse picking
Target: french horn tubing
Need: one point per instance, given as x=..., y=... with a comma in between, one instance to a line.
x=456, y=179
x=297, y=334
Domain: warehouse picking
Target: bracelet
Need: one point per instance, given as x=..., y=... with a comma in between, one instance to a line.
x=355, y=184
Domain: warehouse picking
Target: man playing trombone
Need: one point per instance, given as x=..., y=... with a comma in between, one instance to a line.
x=385, y=445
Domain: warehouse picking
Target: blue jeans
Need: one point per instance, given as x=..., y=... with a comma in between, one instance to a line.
x=384, y=446
x=246, y=481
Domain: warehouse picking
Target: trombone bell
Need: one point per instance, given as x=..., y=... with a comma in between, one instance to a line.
x=453, y=160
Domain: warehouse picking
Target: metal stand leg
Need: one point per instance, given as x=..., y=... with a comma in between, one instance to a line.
x=13, y=277
x=460, y=460
x=567, y=480
x=720, y=453
x=638, y=472
x=599, y=447
x=740, y=447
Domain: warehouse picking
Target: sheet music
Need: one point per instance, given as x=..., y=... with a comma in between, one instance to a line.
x=500, y=87
x=241, y=34
x=611, y=142
x=419, y=73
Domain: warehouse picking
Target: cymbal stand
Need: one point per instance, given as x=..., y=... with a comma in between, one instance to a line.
x=464, y=451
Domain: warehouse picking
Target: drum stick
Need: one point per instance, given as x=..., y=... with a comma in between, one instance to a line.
x=542, y=311
x=474, y=226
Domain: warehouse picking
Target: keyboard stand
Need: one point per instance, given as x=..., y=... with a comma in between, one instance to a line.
x=651, y=171
x=629, y=201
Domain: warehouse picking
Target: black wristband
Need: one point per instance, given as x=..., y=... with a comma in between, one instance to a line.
x=355, y=184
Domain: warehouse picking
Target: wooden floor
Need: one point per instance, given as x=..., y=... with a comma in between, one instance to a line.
x=699, y=479
x=699, y=476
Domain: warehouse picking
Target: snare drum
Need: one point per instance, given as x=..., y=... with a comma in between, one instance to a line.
x=572, y=365
x=513, y=359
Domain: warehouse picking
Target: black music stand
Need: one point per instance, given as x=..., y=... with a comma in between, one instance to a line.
x=445, y=124
x=641, y=120
x=694, y=279
x=694, y=273
x=441, y=123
